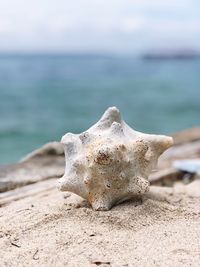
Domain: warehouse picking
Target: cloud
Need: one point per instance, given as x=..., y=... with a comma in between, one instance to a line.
x=80, y=24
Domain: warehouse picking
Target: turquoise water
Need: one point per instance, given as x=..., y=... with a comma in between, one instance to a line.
x=43, y=97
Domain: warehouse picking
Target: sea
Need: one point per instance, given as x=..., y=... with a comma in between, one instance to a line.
x=44, y=96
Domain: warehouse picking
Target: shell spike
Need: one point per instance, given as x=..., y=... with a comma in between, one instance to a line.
x=110, y=115
x=71, y=144
x=116, y=128
x=160, y=143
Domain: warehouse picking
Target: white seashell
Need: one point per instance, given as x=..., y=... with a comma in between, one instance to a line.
x=188, y=165
x=110, y=162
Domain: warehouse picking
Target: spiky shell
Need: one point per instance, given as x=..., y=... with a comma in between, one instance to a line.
x=110, y=162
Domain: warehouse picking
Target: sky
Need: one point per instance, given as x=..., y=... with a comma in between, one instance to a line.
x=121, y=26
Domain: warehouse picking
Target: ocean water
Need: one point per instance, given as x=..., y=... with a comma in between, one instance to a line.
x=44, y=96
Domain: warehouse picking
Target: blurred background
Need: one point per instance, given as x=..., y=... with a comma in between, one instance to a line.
x=62, y=63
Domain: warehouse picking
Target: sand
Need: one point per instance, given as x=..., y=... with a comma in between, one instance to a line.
x=50, y=228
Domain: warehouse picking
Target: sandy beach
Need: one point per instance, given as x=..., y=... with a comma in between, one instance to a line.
x=40, y=226
x=53, y=229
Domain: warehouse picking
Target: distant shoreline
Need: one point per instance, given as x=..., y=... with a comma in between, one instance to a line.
x=171, y=56
x=145, y=57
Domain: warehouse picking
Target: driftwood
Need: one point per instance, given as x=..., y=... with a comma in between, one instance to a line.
x=48, y=162
x=166, y=177
x=49, y=149
x=186, y=136
x=27, y=191
x=31, y=171
x=184, y=151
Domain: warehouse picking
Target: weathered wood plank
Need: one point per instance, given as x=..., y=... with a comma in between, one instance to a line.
x=184, y=151
x=48, y=161
x=26, y=191
x=186, y=136
x=166, y=177
x=31, y=171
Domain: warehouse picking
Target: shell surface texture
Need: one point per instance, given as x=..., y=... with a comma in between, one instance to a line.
x=110, y=162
